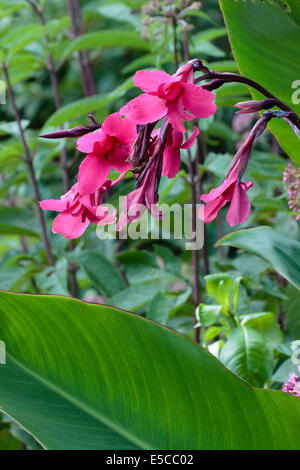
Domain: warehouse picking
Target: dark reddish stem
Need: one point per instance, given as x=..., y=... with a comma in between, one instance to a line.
x=28, y=159
x=63, y=154
x=232, y=77
x=86, y=73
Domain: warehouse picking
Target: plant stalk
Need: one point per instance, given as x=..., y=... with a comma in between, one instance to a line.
x=29, y=162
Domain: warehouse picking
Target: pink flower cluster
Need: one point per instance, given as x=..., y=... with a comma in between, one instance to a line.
x=291, y=177
x=175, y=98
x=292, y=386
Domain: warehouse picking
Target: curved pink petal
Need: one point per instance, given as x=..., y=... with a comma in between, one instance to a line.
x=212, y=208
x=171, y=162
x=198, y=101
x=93, y=172
x=69, y=226
x=118, y=158
x=240, y=206
x=174, y=113
x=124, y=129
x=190, y=142
x=87, y=142
x=149, y=80
x=145, y=109
x=57, y=205
x=176, y=138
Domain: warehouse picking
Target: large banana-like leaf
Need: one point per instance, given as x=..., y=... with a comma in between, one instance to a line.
x=81, y=376
x=265, y=38
x=280, y=251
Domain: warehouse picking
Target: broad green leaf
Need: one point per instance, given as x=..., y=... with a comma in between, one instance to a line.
x=219, y=287
x=86, y=105
x=14, y=221
x=291, y=308
x=281, y=252
x=283, y=371
x=265, y=41
x=108, y=38
x=54, y=280
x=135, y=296
x=208, y=314
x=82, y=376
x=247, y=354
x=102, y=273
x=265, y=323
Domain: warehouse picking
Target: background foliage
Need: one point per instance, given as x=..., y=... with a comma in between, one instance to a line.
x=249, y=307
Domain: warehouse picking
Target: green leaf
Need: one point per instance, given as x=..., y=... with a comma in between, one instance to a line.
x=85, y=105
x=282, y=373
x=291, y=308
x=219, y=287
x=247, y=354
x=107, y=38
x=208, y=314
x=281, y=252
x=265, y=41
x=102, y=273
x=81, y=376
x=14, y=221
x=265, y=323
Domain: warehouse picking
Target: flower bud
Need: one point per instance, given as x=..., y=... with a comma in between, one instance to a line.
x=254, y=106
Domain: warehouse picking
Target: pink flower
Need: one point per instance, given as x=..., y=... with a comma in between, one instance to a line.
x=231, y=190
x=77, y=211
x=142, y=198
x=292, y=386
x=108, y=147
x=171, y=157
x=170, y=96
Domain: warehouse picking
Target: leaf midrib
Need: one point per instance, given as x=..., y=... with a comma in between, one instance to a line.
x=83, y=407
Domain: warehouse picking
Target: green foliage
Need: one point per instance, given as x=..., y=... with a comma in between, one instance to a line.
x=256, y=31
x=101, y=351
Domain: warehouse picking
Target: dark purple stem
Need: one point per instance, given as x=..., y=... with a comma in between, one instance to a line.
x=81, y=55
x=28, y=159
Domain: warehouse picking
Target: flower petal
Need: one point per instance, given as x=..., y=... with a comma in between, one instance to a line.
x=124, y=129
x=198, y=101
x=149, y=80
x=212, y=208
x=171, y=161
x=57, y=205
x=118, y=158
x=93, y=172
x=87, y=143
x=240, y=206
x=68, y=225
x=145, y=109
x=190, y=142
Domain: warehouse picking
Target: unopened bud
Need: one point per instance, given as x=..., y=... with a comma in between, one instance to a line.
x=254, y=106
x=77, y=131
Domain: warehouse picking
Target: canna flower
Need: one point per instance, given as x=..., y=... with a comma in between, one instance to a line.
x=108, y=147
x=291, y=177
x=77, y=210
x=231, y=190
x=292, y=386
x=171, y=156
x=171, y=96
x=144, y=197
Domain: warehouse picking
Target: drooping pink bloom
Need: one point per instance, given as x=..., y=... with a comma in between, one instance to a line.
x=108, y=147
x=77, y=210
x=231, y=190
x=171, y=157
x=142, y=198
x=171, y=96
x=292, y=386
